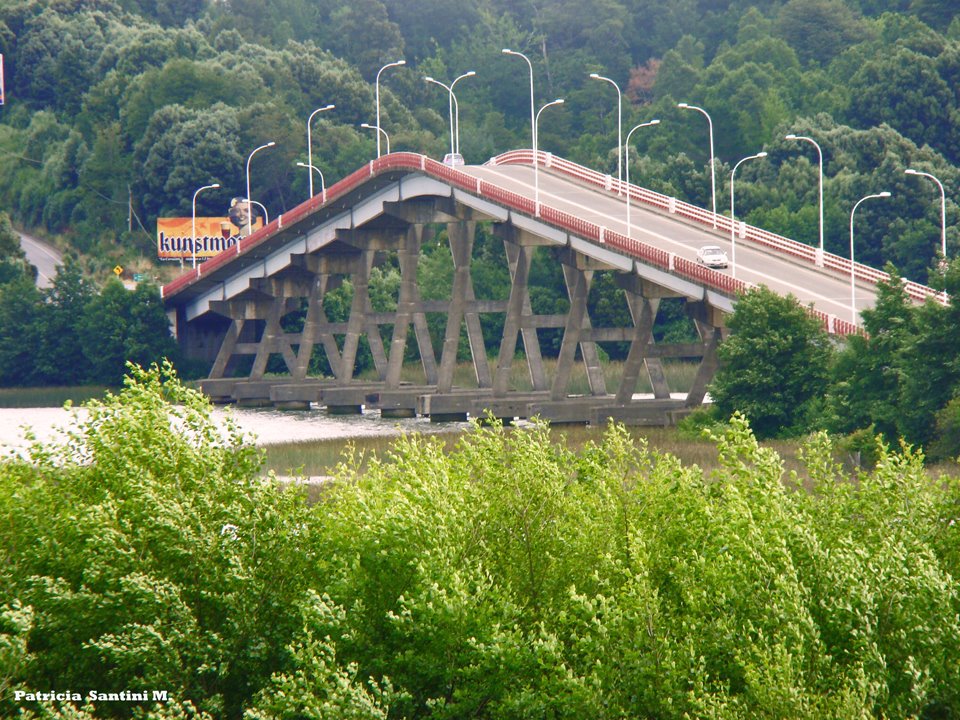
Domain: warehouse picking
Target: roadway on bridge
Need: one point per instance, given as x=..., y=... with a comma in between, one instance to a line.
x=828, y=291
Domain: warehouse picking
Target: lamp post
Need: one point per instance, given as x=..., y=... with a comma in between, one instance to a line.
x=249, y=200
x=533, y=122
x=733, y=217
x=597, y=76
x=456, y=106
x=813, y=142
x=380, y=131
x=626, y=150
x=853, y=286
x=536, y=165
x=454, y=109
x=193, y=221
x=713, y=174
x=310, y=144
x=323, y=187
x=266, y=215
x=943, y=213
x=377, y=93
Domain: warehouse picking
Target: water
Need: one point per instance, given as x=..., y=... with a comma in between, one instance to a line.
x=264, y=426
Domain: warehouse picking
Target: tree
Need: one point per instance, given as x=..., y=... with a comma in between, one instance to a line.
x=774, y=366
x=13, y=260
x=867, y=377
x=819, y=29
x=22, y=317
x=120, y=326
x=60, y=357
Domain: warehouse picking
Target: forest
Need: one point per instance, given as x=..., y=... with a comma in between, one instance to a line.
x=118, y=110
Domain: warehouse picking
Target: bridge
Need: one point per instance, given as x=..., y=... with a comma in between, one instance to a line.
x=230, y=310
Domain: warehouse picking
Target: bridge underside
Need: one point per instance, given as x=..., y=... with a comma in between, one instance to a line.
x=264, y=339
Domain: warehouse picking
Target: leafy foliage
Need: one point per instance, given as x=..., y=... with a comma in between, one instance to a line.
x=509, y=578
x=774, y=365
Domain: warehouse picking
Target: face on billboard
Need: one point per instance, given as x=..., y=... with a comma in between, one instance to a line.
x=239, y=213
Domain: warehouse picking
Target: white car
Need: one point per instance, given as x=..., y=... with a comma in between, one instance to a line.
x=453, y=159
x=712, y=257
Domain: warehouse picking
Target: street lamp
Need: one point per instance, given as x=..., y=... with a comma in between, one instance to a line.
x=193, y=220
x=713, y=175
x=310, y=144
x=733, y=217
x=249, y=200
x=813, y=142
x=943, y=210
x=853, y=287
x=323, y=187
x=454, y=109
x=626, y=149
x=377, y=93
x=380, y=131
x=597, y=76
x=533, y=122
x=266, y=215
x=536, y=165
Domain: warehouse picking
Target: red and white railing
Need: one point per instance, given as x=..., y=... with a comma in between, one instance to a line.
x=649, y=254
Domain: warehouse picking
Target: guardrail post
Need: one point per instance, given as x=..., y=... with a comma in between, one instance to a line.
x=672, y=205
x=670, y=259
x=742, y=231
x=607, y=182
x=602, y=238
x=548, y=162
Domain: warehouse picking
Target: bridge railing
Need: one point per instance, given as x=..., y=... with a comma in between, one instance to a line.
x=755, y=235
x=629, y=246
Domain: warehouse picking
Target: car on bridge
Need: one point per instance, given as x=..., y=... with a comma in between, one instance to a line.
x=712, y=257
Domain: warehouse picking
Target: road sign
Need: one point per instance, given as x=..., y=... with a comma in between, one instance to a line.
x=138, y=277
x=118, y=270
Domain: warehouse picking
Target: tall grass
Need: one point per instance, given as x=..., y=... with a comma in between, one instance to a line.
x=320, y=457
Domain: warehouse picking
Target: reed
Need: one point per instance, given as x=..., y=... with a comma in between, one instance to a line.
x=312, y=458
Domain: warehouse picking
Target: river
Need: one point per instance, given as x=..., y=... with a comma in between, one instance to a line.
x=264, y=426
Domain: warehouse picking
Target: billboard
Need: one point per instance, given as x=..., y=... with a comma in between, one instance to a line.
x=175, y=239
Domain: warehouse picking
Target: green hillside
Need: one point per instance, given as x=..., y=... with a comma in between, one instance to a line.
x=134, y=104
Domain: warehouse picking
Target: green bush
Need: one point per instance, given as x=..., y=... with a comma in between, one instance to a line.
x=508, y=578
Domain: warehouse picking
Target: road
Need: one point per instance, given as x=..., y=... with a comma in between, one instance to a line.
x=43, y=256
x=828, y=292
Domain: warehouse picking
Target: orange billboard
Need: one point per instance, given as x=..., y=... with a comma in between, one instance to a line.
x=175, y=239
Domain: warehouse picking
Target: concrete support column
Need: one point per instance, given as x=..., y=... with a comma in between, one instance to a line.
x=578, y=287
x=358, y=321
x=711, y=337
x=644, y=312
x=407, y=302
x=512, y=323
x=461, y=238
x=531, y=343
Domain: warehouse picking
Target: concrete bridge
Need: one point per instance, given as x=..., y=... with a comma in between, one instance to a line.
x=229, y=311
